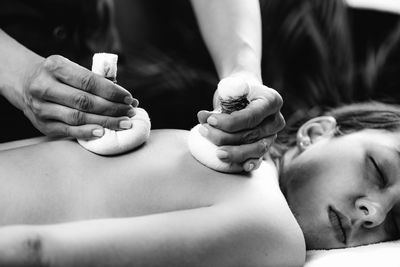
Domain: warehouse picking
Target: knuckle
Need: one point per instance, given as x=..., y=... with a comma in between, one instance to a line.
x=77, y=117
x=251, y=122
x=36, y=108
x=229, y=123
x=115, y=110
x=280, y=122
x=83, y=102
x=236, y=153
x=239, y=155
x=33, y=105
x=51, y=131
x=217, y=139
x=262, y=147
x=53, y=63
x=88, y=82
x=37, y=86
x=276, y=100
x=45, y=129
x=67, y=131
x=110, y=123
x=250, y=136
x=112, y=93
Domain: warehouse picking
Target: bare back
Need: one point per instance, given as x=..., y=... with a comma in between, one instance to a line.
x=59, y=181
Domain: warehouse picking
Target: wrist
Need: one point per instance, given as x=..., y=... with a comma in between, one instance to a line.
x=248, y=76
x=18, y=63
x=246, y=64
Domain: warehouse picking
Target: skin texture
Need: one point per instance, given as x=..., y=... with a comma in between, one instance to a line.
x=232, y=32
x=58, y=96
x=208, y=153
x=356, y=174
x=84, y=209
x=61, y=98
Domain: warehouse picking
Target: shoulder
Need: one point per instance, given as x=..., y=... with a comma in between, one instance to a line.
x=265, y=226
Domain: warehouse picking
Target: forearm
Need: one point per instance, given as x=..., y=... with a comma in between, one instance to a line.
x=16, y=63
x=232, y=32
x=183, y=238
x=213, y=236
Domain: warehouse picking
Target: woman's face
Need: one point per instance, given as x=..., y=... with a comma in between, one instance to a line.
x=345, y=191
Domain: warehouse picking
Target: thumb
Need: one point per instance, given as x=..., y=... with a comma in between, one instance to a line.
x=203, y=115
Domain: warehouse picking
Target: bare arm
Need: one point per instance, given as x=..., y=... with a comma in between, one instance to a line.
x=210, y=236
x=169, y=210
x=232, y=32
x=58, y=96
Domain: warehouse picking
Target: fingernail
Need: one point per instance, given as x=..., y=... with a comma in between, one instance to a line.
x=135, y=103
x=128, y=100
x=212, y=121
x=203, y=131
x=131, y=112
x=127, y=124
x=222, y=154
x=98, y=132
x=250, y=167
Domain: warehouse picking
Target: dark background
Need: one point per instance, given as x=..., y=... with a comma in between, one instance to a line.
x=164, y=62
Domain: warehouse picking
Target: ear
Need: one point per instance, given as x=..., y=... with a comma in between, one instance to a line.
x=314, y=129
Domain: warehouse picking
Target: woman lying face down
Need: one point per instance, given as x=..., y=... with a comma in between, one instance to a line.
x=156, y=206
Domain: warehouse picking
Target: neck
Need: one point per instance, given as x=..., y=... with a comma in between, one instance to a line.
x=281, y=159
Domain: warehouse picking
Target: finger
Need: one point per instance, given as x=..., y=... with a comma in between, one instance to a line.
x=81, y=78
x=252, y=164
x=203, y=115
x=249, y=117
x=60, y=129
x=241, y=153
x=77, y=99
x=269, y=126
x=75, y=117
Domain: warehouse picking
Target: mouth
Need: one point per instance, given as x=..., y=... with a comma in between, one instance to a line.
x=340, y=224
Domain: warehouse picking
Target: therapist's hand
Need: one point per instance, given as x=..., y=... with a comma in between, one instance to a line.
x=244, y=136
x=62, y=98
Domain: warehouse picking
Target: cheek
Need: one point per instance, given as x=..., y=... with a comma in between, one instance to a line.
x=323, y=178
x=305, y=182
x=307, y=194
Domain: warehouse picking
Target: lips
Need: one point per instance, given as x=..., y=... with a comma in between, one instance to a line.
x=340, y=224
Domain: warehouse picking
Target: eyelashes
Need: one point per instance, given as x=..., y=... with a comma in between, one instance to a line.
x=380, y=177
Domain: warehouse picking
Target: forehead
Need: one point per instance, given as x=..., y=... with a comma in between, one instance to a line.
x=375, y=137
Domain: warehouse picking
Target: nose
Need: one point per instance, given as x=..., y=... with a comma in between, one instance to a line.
x=371, y=213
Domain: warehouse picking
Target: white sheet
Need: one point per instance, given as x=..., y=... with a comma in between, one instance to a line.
x=392, y=6
x=386, y=254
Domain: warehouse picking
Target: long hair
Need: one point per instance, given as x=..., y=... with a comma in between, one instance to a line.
x=350, y=118
x=309, y=55
x=307, y=50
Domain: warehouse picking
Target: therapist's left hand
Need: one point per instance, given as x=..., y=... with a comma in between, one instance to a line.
x=244, y=136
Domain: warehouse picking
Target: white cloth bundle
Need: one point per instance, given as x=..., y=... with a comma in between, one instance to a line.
x=116, y=142
x=203, y=149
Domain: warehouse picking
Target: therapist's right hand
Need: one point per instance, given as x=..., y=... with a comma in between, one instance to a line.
x=62, y=98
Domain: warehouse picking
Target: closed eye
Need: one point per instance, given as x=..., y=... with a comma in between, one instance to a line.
x=380, y=176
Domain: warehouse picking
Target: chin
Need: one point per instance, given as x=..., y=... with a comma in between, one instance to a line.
x=317, y=233
x=321, y=240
